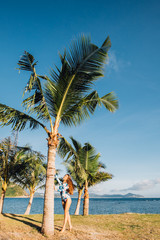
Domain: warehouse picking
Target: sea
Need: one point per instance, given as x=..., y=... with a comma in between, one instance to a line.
x=96, y=205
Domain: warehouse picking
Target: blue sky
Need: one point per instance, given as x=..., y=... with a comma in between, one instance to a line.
x=128, y=140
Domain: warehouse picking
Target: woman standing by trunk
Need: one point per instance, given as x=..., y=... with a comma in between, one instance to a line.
x=66, y=189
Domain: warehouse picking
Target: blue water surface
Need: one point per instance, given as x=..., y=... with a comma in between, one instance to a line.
x=96, y=205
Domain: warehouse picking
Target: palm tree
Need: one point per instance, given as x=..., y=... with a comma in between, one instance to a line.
x=90, y=162
x=75, y=169
x=63, y=98
x=70, y=152
x=10, y=155
x=30, y=174
x=93, y=179
x=84, y=166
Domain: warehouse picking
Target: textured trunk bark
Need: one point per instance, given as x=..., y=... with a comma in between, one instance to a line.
x=86, y=200
x=48, y=211
x=78, y=202
x=27, y=212
x=2, y=201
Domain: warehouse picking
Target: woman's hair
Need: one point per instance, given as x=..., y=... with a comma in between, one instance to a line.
x=70, y=184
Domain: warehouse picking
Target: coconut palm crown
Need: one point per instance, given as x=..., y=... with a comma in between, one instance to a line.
x=83, y=164
x=66, y=97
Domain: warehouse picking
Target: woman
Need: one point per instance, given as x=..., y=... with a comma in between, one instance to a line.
x=66, y=188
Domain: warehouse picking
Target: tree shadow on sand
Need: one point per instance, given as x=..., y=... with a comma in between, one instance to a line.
x=38, y=228
x=58, y=228
x=16, y=217
x=25, y=217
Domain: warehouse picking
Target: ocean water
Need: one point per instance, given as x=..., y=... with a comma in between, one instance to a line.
x=96, y=205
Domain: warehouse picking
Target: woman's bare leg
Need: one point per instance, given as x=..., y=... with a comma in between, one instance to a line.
x=66, y=214
x=69, y=221
x=68, y=218
x=63, y=204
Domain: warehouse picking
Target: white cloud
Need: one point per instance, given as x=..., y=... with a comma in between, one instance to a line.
x=115, y=64
x=139, y=186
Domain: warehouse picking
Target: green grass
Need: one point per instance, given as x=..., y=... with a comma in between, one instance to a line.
x=100, y=227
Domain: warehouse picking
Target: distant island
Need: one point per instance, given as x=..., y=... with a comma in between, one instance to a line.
x=14, y=190
x=128, y=195
x=92, y=195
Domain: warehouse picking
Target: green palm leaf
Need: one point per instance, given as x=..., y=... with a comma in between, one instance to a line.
x=31, y=171
x=98, y=178
x=27, y=62
x=18, y=120
x=81, y=65
x=35, y=103
x=65, y=149
x=110, y=102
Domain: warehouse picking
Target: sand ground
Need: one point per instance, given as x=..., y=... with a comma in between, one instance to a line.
x=93, y=227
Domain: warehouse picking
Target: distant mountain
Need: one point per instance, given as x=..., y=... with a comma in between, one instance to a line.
x=92, y=195
x=128, y=195
x=13, y=190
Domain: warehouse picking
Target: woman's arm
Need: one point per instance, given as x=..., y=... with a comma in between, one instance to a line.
x=59, y=182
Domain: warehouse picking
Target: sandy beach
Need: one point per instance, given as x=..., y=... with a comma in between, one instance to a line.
x=93, y=227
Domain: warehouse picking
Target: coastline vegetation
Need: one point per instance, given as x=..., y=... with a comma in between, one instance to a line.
x=14, y=190
x=21, y=166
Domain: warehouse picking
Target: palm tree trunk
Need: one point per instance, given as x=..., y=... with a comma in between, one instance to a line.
x=48, y=212
x=2, y=201
x=29, y=204
x=78, y=201
x=86, y=200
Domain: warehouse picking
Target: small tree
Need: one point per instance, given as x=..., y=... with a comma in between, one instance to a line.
x=10, y=155
x=31, y=174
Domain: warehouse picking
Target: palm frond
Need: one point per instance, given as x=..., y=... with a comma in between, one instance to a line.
x=102, y=165
x=77, y=145
x=27, y=62
x=81, y=65
x=30, y=172
x=83, y=163
x=110, y=102
x=98, y=178
x=35, y=103
x=18, y=120
x=76, y=170
x=51, y=97
x=86, y=106
x=85, y=57
x=65, y=149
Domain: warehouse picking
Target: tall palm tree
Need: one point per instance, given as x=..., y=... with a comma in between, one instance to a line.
x=10, y=155
x=66, y=97
x=70, y=152
x=84, y=166
x=90, y=162
x=30, y=174
x=75, y=169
